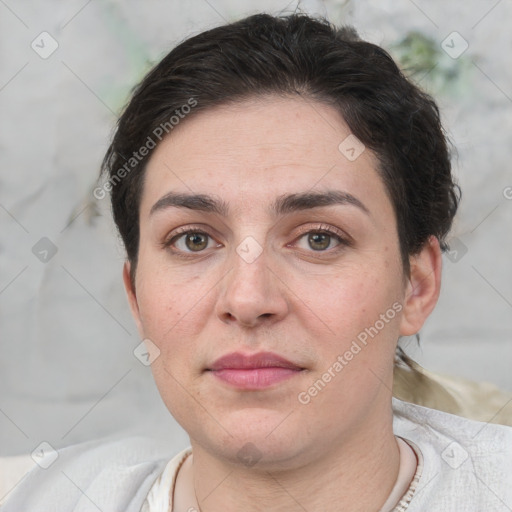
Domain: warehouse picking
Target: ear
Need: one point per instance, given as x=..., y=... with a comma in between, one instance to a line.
x=423, y=287
x=132, y=297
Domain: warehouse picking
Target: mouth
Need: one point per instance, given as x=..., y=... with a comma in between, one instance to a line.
x=253, y=372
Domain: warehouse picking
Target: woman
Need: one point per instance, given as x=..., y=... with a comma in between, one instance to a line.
x=284, y=195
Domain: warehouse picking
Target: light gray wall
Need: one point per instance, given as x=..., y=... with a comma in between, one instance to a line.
x=67, y=369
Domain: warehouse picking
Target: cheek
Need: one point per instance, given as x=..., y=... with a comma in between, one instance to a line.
x=355, y=342
x=354, y=299
x=172, y=315
x=175, y=308
x=166, y=296
x=358, y=314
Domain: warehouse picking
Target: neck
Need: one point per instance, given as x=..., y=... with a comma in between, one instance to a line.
x=356, y=473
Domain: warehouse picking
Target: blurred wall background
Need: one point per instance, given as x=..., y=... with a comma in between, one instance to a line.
x=67, y=368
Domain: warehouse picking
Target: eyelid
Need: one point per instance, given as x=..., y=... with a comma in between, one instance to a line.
x=344, y=237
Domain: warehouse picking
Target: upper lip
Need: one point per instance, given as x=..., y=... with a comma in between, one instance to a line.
x=237, y=360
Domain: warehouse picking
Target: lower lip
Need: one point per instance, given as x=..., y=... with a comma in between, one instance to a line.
x=255, y=378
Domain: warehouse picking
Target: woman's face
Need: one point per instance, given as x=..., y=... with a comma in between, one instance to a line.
x=299, y=258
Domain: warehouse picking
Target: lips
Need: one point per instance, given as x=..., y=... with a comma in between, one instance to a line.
x=238, y=361
x=255, y=371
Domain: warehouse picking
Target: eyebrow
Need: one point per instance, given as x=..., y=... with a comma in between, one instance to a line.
x=283, y=205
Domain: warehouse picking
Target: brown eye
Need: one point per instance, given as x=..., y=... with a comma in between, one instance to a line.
x=190, y=241
x=319, y=241
x=322, y=240
x=196, y=241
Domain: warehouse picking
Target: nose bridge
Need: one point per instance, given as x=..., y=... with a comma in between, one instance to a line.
x=250, y=266
x=250, y=291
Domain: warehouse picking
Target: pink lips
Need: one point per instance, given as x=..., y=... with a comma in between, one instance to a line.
x=256, y=371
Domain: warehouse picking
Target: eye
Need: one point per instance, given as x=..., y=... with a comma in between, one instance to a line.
x=191, y=241
x=321, y=240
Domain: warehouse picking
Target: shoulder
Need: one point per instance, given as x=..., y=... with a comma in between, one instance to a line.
x=107, y=474
x=440, y=427
x=158, y=497
x=466, y=463
x=12, y=471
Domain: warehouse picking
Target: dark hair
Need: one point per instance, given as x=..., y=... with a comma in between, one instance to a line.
x=293, y=55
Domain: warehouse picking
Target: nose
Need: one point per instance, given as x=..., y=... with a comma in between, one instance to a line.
x=251, y=293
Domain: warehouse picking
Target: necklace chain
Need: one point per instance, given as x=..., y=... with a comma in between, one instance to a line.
x=197, y=501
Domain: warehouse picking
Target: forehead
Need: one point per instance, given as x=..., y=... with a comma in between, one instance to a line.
x=260, y=149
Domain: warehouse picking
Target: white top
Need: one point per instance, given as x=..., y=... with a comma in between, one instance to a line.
x=467, y=467
x=459, y=465
x=160, y=496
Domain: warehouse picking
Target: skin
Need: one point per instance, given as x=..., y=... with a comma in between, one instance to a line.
x=304, y=304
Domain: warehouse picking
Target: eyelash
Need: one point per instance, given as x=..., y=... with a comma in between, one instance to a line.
x=342, y=239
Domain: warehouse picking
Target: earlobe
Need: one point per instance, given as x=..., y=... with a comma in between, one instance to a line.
x=132, y=297
x=423, y=287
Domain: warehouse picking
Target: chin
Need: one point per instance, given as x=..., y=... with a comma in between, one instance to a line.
x=259, y=438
